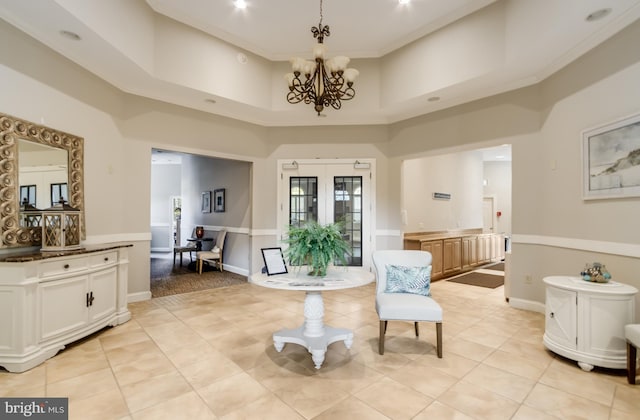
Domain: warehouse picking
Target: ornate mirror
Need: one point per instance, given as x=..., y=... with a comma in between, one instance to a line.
x=38, y=165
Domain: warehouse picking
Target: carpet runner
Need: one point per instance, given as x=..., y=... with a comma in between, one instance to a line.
x=479, y=279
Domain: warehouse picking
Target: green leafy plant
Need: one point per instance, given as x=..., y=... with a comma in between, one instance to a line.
x=316, y=246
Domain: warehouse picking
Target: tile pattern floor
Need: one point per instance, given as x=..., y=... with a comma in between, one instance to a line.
x=209, y=355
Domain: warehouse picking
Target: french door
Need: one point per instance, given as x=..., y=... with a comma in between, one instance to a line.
x=330, y=192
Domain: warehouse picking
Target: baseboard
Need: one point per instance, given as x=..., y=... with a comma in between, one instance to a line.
x=236, y=270
x=138, y=297
x=527, y=305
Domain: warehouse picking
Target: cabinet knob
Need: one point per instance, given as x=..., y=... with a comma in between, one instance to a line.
x=66, y=266
x=552, y=314
x=106, y=259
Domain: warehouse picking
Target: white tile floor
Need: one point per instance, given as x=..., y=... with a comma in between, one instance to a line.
x=208, y=355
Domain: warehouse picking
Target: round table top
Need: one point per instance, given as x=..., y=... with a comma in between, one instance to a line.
x=298, y=279
x=576, y=283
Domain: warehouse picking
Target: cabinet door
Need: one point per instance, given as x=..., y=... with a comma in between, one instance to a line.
x=64, y=306
x=601, y=324
x=452, y=256
x=561, y=313
x=466, y=253
x=484, y=249
x=435, y=248
x=103, y=289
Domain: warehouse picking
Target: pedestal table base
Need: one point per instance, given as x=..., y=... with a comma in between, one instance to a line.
x=313, y=334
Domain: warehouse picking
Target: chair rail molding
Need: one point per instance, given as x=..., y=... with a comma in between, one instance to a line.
x=614, y=248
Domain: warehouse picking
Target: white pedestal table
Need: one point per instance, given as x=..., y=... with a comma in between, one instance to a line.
x=313, y=334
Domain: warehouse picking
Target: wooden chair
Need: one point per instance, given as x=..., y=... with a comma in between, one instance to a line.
x=213, y=256
x=404, y=306
x=632, y=334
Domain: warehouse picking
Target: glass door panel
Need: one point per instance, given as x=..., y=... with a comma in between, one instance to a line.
x=347, y=210
x=303, y=200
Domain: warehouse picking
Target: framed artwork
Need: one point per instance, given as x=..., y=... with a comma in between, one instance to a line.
x=206, y=202
x=218, y=200
x=611, y=160
x=274, y=261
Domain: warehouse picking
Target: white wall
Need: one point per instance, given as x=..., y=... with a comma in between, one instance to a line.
x=165, y=183
x=458, y=174
x=498, y=176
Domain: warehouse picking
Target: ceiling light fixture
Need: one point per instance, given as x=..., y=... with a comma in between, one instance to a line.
x=326, y=83
x=240, y=4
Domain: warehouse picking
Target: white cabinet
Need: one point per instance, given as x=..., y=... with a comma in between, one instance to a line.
x=49, y=301
x=585, y=321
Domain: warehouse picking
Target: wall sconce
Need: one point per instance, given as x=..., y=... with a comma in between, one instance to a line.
x=60, y=227
x=361, y=165
x=292, y=165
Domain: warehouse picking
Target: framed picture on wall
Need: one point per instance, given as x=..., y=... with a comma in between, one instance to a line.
x=218, y=200
x=206, y=202
x=611, y=160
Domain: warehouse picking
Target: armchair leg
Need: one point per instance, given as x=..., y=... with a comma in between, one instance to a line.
x=632, y=354
x=439, y=339
x=417, y=333
x=383, y=330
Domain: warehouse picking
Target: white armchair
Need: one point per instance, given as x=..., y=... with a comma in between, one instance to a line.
x=410, y=303
x=215, y=255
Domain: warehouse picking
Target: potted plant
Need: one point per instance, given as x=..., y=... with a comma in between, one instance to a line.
x=316, y=246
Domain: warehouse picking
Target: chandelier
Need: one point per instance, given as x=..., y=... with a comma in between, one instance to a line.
x=322, y=83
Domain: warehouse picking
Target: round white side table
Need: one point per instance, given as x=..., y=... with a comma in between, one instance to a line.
x=313, y=334
x=585, y=321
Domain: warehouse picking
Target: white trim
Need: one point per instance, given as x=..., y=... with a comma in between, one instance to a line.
x=240, y=230
x=264, y=232
x=118, y=237
x=527, y=305
x=236, y=270
x=614, y=248
x=160, y=224
x=388, y=232
x=138, y=296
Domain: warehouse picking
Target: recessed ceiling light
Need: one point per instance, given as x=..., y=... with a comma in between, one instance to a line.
x=242, y=58
x=597, y=15
x=433, y=99
x=403, y=1
x=70, y=35
x=240, y=4
x=211, y=101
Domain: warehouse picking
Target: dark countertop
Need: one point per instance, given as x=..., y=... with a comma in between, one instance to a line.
x=43, y=255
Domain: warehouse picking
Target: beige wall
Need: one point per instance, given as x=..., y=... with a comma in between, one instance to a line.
x=555, y=231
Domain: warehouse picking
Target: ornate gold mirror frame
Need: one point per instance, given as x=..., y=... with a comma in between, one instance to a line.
x=13, y=129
